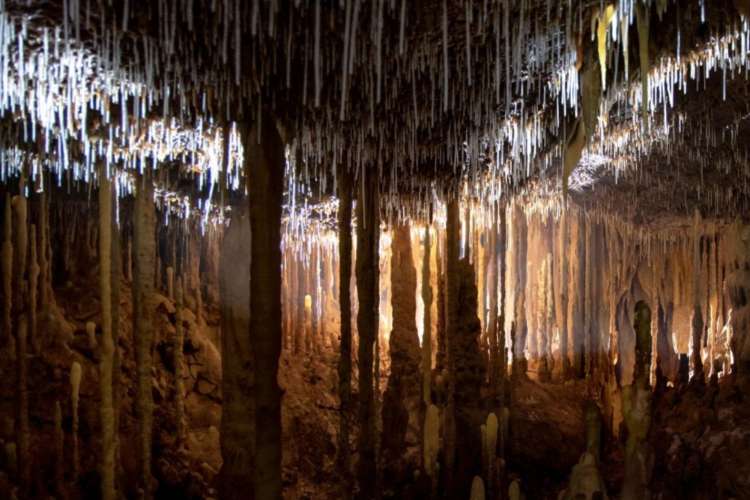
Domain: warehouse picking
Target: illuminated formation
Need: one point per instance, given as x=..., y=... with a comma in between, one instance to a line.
x=429, y=249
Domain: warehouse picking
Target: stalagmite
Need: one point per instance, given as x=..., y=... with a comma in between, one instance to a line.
x=129, y=261
x=345, y=345
x=107, y=351
x=33, y=275
x=20, y=250
x=7, y=269
x=368, y=236
x=170, y=283
x=45, y=287
x=116, y=283
x=696, y=334
x=75, y=388
x=265, y=159
x=431, y=444
x=477, y=489
x=452, y=235
x=91, y=337
x=514, y=491
x=237, y=367
x=401, y=400
x=468, y=376
x=636, y=407
x=178, y=346
x=489, y=447
x=585, y=481
x=23, y=435
x=143, y=291
x=59, y=452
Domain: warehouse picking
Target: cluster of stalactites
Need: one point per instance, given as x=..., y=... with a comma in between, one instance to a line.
x=134, y=99
x=571, y=280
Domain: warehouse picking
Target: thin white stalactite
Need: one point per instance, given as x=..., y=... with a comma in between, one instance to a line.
x=317, y=63
x=446, y=68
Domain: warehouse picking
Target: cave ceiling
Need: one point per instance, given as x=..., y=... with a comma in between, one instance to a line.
x=485, y=98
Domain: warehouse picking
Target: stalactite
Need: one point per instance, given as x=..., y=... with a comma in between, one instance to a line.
x=575, y=303
x=696, y=321
x=300, y=344
x=442, y=350
x=45, y=286
x=288, y=301
x=7, y=269
x=144, y=221
x=345, y=345
x=107, y=351
x=306, y=317
x=328, y=301
x=75, y=388
x=666, y=358
x=543, y=324
x=265, y=188
x=520, y=252
x=427, y=328
x=308, y=322
x=642, y=13
x=237, y=436
x=562, y=296
x=368, y=236
x=492, y=319
x=480, y=264
x=401, y=400
x=315, y=340
x=696, y=335
x=503, y=351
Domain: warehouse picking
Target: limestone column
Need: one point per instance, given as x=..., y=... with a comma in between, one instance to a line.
x=106, y=363
x=144, y=221
x=345, y=349
x=237, y=437
x=265, y=186
x=401, y=400
x=367, y=271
